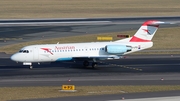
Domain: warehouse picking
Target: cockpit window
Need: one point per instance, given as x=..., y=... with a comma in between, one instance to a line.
x=24, y=51
x=20, y=51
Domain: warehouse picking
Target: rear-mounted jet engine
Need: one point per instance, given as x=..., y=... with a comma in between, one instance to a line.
x=117, y=49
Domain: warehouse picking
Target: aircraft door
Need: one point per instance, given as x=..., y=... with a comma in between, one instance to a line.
x=35, y=53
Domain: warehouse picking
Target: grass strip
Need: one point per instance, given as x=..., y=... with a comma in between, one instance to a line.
x=18, y=9
x=16, y=93
x=165, y=38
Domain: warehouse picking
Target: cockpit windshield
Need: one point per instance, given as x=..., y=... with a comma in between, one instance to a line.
x=24, y=51
x=20, y=51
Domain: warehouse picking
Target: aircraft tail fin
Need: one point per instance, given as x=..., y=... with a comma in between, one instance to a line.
x=145, y=32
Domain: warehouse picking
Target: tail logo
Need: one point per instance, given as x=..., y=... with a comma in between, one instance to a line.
x=148, y=31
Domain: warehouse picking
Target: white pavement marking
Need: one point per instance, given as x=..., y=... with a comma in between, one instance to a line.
x=173, y=98
x=71, y=22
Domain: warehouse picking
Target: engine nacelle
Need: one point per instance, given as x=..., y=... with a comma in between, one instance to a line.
x=117, y=49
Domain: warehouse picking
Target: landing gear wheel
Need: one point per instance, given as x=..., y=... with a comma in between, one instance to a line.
x=85, y=63
x=94, y=64
x=31, y=67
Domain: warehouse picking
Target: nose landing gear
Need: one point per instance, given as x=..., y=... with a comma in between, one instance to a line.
x=28, y=63
x=30, y=67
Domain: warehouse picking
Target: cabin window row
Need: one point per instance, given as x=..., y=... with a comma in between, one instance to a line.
x=91, y=49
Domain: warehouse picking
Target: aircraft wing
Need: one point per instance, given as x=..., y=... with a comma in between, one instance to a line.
x=103, y=57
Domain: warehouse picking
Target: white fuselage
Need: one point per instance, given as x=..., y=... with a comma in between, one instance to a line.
x=61, y=52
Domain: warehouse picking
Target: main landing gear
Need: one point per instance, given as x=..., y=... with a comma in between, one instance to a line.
x=94, y=64
x=86, y=64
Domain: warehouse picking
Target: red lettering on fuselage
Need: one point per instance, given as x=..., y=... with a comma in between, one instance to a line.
x=64, y=47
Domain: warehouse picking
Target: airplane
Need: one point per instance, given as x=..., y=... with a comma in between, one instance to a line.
x=91, y=51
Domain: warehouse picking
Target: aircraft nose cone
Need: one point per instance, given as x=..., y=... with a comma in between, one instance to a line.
x=14, y=57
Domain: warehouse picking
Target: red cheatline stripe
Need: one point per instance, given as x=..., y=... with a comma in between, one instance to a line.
x=136, y=39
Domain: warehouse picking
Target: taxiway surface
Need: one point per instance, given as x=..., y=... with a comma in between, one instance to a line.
x=141, y=70
x=118, y=97
x=132, y=70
